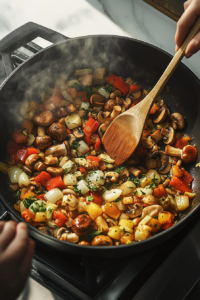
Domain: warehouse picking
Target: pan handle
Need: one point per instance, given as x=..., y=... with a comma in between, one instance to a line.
x=21, y=36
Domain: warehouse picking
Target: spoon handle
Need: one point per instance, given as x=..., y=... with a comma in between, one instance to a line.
x=175, y=61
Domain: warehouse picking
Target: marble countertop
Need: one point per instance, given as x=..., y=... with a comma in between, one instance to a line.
x=132, y=18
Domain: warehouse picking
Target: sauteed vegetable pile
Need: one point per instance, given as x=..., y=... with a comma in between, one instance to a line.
x=68, y=187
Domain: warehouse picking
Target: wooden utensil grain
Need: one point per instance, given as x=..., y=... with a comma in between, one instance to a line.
x=124, y=134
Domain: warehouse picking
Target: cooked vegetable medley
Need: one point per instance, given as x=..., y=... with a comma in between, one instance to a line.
x=68, y=187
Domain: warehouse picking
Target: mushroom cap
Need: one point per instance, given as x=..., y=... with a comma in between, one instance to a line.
x=43, y=118
x=96, y=98
x=78, y=132
x=147, y=144
x=109, y=105
x=102, y=129
x=178, y=120
x=162, y=115
x=58, y=131
x=189, y=154
x=31, y=160
x=171, y=137
x=61, y=112
x=42, y=142
x=135, y=210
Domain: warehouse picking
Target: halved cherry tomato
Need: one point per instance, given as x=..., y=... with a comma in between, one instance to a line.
x=43, y=178
x=59, y=218
x=27, y=215
x=21, y=156
x=55, y=182
x=12, y=147
x=98, y=199
x=32, y=151
x=19, y=137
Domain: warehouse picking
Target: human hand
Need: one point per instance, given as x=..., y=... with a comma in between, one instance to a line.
x=192, y=11
x=16, y=252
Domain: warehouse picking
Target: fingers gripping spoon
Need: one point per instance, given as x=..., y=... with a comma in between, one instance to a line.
x=124, y=134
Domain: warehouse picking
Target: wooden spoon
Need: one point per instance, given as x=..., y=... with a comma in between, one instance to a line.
x=124, y=133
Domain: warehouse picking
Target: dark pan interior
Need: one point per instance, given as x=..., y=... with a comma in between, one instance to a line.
x=121, y=56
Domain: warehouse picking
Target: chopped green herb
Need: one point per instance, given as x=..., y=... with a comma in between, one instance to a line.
x=90, y=198
x=91, y=235
x=117, y=200
x=143, y=193
x=24, y=133
x=135, y=192
x=77, y=86
x=108, y=88
x=120, y=169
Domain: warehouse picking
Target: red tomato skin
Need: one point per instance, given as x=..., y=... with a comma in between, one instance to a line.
x=21, y=155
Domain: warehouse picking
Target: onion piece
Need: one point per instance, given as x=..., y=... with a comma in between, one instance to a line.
x=68, y=166
x=3, y=168
x=85, y=105
x=82, y=185
x=14, y=173
x=111, y=195
x=73, y=121
x=104, y=93
x=70, y=179
x=53, y=195
x=96, y=177
x=23, y=180
x=127, y=187
x=82, y=147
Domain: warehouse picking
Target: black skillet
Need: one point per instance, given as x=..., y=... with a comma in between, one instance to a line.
x=121, y=56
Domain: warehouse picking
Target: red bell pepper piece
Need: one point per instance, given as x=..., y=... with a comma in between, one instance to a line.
x=12, y=147
x=91, y=126
x=87, y=139
x=82, y=169
x=182, y=142
x=55, y=182
x=187, y=178
x=180, y=184
x=82, y=96
x=166, y=225
x=118, y=83
x=93, y=158
x=97, y=145
x=27, y=215
x=19, y=137
x=98, y=199
x=135, y=102
x=40, y=197
x=21, y=156
x=69, y=131
x=59, y=218
x=32, y=151
x=160, y=191
x=43, y=178
x=154, y=109
x=134, y=88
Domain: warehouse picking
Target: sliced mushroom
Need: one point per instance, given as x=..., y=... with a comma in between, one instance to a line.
x=116, y=111
x=136, y=95
x=162, y=158
x=113, y=176
x=162, y=115
x=46, y=230
x=50, y=160
x=56, y=150
x=165, y=168
x=150, y=200
x=42, y=142
x=152, y=210
x=43, y=118
x=102, y=129
x=62, y=234
x=115, y=94
x=188, y=154
x=39, y=166
x=136, y=172
x=58, y=132
x=71, y=108
x=31, y=160
x=97, y=100
x=109, y=105
x=55, y=171
x=103, y=117
x=157, y=136
x=169, y=135
x=147, y=143
x=118, y=101
x=151, y=163
x=71, y=139
x=135, y=210
x=126, y=104
x=78, y=132
x=178, y=122
x=27, y=170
